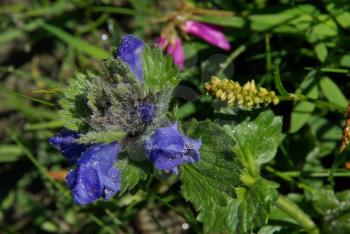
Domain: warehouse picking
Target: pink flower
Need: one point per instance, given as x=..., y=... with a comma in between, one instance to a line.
x=209, y=33
x=173, y=48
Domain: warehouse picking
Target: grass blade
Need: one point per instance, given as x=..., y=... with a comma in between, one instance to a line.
x=76, y=42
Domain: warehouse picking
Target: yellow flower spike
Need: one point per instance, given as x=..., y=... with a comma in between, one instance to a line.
x=263, y=91
x=223, y=96
x=237, y=86
x=253, y=87
x=207, y=86
x=218, y=93
x=244, y=92
x=247, y=96
x=257, y=100
x=231, y=86
x=231, y=100
x=249, y=102
x=267, y=100
x=246, y=86
x=230, y=96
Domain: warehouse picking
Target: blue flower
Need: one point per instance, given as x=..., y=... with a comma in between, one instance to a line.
x=65, y=142
x=146, y=112
x=130, y=51
x=167, y=148
x=95, y=175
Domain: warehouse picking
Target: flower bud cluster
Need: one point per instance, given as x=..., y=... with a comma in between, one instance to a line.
x=245, y=97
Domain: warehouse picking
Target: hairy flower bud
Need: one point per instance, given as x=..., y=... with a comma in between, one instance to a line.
x=129, y=52
x=146, y=112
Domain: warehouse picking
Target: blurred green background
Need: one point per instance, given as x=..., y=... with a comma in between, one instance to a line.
x=43, y=43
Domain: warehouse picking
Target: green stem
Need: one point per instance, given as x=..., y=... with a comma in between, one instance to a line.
x=323, y=173
x=288, y=175
x=230, y=59
x=318, y=103
x=297, y=214
x=268, y=53
x=288, y=178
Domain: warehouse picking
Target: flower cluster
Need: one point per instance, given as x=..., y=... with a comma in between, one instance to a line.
x=182, y=21
x=104, y=113
x=245, y=97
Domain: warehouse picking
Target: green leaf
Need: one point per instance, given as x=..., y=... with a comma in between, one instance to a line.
x=327, y=135
x=258, y=138
x=74, y=106
x=222, y=213
x=269, y=229
x=334, y=208
x=228, y=21
x=332, y=92
x=252, y=207
x=76, y=42
x=302, y=111
x=277, y=215
x=324, y=200
x=304, y=19
x=217, y=156
x=294, y=20
x=49, y=226
x=101, y=137
x=159, y=71
x=212, y=203
x=132, y=172
x=216, y=184
x=345, y=60
x=209, y=184
x=321, y=51
x=322, y=30
x=185, y=110
x=340, y=10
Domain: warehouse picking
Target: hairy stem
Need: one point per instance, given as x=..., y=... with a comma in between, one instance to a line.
x=297, y=214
